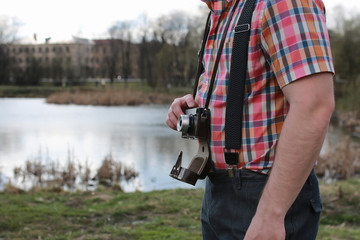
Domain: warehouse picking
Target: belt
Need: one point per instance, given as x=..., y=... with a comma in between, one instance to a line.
x=221, y=175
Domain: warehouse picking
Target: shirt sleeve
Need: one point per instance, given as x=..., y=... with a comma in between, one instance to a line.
x=295, y=39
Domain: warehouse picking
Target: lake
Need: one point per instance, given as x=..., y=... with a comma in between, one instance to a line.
x=135, y=135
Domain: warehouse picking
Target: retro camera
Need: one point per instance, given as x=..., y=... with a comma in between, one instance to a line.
x=195, y=124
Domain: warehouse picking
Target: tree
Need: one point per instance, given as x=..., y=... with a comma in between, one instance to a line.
x=33, y=72
x=5, y=64
x=179, y=38
x=8, y=32
x=344, y=42
x=121, y=49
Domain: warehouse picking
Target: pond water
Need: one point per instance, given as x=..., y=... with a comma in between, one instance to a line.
x=137, y=136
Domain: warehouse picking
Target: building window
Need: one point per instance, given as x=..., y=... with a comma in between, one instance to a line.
x=54, y=49
x=33, y=50
x=14, y=50
x=40, y=49
x=20, y=60
x=60, y=49
x=46, y=59
x=47, y=49
x=20, y=50
x=67, y=49
x=26, y=50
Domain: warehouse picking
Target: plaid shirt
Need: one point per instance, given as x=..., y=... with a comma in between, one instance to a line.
x=289, y=40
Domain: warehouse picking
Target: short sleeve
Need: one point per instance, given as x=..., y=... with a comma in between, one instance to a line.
x=295, y=39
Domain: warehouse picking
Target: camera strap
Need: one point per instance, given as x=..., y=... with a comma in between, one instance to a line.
x=200, y=67
x=236, y=88
x=218, y=56
x=238, y=70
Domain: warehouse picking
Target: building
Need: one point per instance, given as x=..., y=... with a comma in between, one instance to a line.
x=78, y=60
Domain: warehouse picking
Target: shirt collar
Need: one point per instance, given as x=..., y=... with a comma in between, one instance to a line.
x=217, y=6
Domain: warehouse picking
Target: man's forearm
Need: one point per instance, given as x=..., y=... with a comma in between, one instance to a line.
x=297, y=150
x=311, y=105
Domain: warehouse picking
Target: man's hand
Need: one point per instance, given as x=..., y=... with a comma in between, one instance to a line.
x=177, y=108
x=266, y=228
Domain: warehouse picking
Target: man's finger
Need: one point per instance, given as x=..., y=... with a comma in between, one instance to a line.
x=190, y=102
x=171, y=120
x=177, y=107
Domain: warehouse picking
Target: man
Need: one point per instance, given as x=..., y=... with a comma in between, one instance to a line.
x=287, y=107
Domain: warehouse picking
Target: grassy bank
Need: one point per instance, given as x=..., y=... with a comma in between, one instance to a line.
x=170, y=214
x=132, y=93
x=110, y=97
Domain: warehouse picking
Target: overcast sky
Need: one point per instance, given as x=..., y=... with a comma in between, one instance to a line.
x=91, y=19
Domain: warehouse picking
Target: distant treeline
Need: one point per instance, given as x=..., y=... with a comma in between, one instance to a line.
x=163, y=53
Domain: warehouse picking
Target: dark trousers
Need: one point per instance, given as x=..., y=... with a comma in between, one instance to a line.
x=229, y=205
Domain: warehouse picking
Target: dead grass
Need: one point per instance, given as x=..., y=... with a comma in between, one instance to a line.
x=109, y=97
x=54, y=177
x=112, y=172
x=350, y=119
x=342, y=161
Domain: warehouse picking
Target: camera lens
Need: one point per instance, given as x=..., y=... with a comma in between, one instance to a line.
x=183, y=123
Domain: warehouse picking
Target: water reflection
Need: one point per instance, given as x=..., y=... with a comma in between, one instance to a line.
x=136, y=136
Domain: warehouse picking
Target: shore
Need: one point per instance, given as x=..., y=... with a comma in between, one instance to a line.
x=168, y=214
x=89, y=94
x=109, y=97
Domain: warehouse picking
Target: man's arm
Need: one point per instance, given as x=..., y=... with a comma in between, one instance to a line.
x=311, y=102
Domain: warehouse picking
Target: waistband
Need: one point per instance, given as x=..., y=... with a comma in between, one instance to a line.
x=220, y=175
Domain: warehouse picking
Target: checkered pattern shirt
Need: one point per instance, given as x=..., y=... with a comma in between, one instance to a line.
x=288, y=40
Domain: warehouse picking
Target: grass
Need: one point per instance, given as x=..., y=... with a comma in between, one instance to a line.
x=110, y=97
x=46, y=90
x=171, y=214
x=167, y=214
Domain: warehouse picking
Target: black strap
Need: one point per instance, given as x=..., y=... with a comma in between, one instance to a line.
x=200, y=67
x=218, y=56
x=236, y=88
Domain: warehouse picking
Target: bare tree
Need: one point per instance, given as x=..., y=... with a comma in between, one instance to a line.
x=121, y=49
x=8, y=33
x=8, y=30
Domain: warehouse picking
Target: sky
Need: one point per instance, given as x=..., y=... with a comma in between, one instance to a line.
x=91, y=19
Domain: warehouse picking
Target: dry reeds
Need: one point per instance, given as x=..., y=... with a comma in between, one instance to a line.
x=108, y=98
x=342, y=161
x=349, y=119
x=54, y=176
x=112, y=172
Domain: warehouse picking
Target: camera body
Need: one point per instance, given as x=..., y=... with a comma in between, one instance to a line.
x=194, y=124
